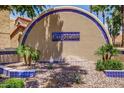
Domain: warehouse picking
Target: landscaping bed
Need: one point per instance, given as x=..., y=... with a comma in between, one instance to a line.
x=90, y=78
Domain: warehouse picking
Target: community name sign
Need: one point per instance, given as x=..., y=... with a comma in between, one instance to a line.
x=65, y=36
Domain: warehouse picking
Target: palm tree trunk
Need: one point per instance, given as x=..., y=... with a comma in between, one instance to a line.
x=97, y=13
x=25, y=60
x=103, y=15
x=90, y=8
x=122, y=11
x=29, y=60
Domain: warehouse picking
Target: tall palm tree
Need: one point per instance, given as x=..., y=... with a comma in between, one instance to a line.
x=100, y=9
x=103, y=9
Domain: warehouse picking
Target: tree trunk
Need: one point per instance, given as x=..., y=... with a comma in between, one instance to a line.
x=103, y=58
x=122, y=11
x=97, y=14
x=110, y=57
x=106, y=57
x=113, y=41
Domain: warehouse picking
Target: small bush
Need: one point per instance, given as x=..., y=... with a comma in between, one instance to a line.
x=77, y=78
x=100, y=65
x=12, y=83
x=113, y=65
x=109, y=65
x=50, y=66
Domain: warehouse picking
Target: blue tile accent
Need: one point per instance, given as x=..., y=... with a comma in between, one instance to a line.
x=65, y=36
x=65, y=10
x=22, y=74
x=1, y=70
x=7, y=52
x=112, y=73
x=17, y=73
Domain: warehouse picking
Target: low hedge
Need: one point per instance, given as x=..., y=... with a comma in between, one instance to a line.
x=12, y=83
x=109, y=65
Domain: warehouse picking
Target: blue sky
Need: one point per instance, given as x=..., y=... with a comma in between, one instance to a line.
x=85, y=7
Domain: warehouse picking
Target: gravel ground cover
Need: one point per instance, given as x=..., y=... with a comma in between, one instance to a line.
x=61, y=75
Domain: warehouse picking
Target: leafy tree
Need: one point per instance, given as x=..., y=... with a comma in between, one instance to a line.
x=122, y=12
x=30, y=10
x=114, y=25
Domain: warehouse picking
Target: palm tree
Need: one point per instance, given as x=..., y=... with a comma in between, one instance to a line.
x=98, y=9
x=30, y=10
x=103, y=9
x=95, y=8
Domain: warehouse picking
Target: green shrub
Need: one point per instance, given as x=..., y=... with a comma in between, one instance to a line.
x=77, y=78
x=100, y=65
x=50, y=66
x=113, y=65
x=109, y=65
x=12, y=83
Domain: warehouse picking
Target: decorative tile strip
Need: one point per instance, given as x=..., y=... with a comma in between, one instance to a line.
x=114, y=73
x=17, y=73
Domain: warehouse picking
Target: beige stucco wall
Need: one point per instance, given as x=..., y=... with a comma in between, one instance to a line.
x=14, y=41
x=4, y=29
x=91, y=37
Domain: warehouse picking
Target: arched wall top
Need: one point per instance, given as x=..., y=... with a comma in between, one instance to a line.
x=68, y=9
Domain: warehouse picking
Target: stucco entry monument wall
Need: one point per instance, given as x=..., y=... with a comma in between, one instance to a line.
x=66, y=31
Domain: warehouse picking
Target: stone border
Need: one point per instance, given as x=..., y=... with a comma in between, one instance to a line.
x=10, y=72
x=114, y=73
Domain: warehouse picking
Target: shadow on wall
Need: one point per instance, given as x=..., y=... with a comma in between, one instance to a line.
x=42, y=40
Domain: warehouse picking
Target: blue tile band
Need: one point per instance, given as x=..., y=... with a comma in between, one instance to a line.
x=65, y=10
x=7, y=52
x=13, y=73
x=112, y=73
x=65, y=36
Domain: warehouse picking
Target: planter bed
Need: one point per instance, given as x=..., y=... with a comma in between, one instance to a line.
x=114, y=73
x=17, y=73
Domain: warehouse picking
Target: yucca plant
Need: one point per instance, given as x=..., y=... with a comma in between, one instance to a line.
x=27, y=53
x=35, y=55
x=20, y=51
